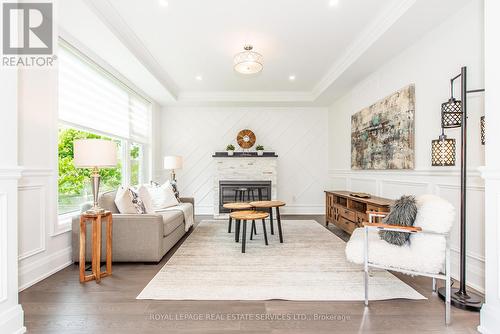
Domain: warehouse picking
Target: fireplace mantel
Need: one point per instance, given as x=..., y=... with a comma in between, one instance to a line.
x=244, y=155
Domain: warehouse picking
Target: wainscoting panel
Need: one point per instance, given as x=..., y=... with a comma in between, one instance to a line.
x=397, y=188
x=364, y=185
x=42, y=251
x=298, y=135
x=32, y=220
x=3, y=247
x=393, y=184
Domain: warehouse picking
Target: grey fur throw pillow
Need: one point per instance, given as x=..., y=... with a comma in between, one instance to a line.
x=403, y=212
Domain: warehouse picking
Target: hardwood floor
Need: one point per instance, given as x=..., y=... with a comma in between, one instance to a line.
x=60, y=304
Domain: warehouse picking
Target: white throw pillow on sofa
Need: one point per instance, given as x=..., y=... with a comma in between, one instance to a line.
x=123, y=201
x=145, y=196
x=163, y=196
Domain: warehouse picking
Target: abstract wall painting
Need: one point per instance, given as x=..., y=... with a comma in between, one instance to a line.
x=383, y=134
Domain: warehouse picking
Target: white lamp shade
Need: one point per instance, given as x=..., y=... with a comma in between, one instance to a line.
x=172, y=162
x=89, y=153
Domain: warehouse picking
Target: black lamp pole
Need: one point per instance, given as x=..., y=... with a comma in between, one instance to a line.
x=459, y=297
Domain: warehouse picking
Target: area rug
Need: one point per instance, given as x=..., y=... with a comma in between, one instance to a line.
x=309, y=265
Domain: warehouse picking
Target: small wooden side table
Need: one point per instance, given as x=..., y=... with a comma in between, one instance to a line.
x=96, y=220
x=248, y=215
x=270, y=205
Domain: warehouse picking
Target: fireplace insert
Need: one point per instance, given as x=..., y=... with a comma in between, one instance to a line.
x=256, y=190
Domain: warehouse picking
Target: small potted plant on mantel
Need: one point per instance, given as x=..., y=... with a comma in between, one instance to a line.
x=230, y=149
x=260, y=150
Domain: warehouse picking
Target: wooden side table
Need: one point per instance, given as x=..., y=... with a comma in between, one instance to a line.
x=96, y=220
x=249, y=215
x=270, y=205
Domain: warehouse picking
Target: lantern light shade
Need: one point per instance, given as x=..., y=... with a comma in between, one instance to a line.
x=90, y=153
x=483, y=137
x=443, y=151
x=451, y=113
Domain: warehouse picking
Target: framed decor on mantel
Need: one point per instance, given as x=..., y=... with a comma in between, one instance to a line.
x=383, y=134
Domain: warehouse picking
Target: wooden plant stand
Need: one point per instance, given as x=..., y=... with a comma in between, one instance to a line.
x=96, y=220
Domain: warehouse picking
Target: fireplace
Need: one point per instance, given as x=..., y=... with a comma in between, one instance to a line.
x=227, y=191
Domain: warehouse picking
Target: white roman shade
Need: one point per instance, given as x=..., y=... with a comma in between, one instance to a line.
x=92, y=98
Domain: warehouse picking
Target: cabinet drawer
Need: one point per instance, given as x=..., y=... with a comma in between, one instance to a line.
x=348, y=214
x=347, y=225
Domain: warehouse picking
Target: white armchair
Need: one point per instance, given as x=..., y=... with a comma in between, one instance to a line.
x=426, y=254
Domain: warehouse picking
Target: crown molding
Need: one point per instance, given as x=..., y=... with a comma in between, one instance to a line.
x=115, y=22
x=276, y=96
x=365, y=40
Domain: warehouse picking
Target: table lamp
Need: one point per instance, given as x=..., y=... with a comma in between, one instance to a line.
x=95, y=154
x=172, y=162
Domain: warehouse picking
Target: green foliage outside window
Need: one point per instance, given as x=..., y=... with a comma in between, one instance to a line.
x=73, y=183
x=135, y=154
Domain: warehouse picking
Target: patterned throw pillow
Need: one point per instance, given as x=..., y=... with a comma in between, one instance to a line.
x=403, y=213
x=136, y=201
x=174, y=188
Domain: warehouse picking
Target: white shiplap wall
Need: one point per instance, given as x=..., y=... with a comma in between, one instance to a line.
x=298, y=135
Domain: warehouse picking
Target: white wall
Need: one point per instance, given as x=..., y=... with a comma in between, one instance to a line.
x=429, y=63
x=11, y=313
x=490, y=319
x=297, y=135
x=44, y=244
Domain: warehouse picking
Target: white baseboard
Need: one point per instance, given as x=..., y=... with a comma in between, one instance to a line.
x=34, y=272
x=12, y=320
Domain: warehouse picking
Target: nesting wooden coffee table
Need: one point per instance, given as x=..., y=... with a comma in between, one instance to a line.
x=237, y=206
x=270, y=205
x=244, y=216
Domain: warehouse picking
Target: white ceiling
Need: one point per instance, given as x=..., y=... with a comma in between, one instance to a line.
x=200, y=37
x=325, y=47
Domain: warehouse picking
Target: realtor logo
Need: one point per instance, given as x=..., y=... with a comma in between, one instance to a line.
x=28, y=34
x=27, y=28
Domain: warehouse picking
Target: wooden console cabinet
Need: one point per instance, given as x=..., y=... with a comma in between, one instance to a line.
x=348, y=212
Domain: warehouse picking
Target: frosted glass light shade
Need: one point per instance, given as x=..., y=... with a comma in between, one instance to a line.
x=248, y=61
x=90, y=153
x=172, y=162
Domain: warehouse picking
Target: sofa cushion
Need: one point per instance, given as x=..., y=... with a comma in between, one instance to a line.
x=107, y=201
x=171, y=220
x=146, y=198
x=163, y=196
x=124, y=201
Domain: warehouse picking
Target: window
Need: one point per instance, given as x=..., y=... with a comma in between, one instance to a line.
x=74, y=183
x=93, y=103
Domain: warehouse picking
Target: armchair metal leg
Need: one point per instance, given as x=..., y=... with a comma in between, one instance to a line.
x=434, y=289
x=366, y=267
x=448, y=285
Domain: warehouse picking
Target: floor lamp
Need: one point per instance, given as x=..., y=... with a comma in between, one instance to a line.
x=454, y=115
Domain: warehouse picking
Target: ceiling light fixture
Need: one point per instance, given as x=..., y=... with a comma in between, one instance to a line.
x=248, y=61
x=291, y=77
x=199, y=77
x=163, y=3
x=333, y=3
